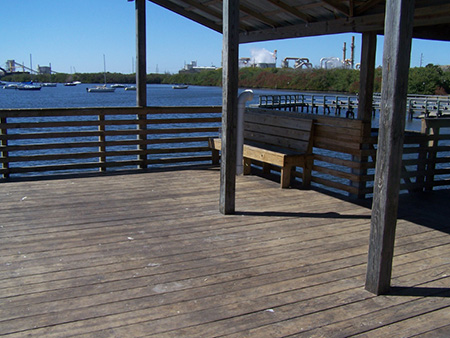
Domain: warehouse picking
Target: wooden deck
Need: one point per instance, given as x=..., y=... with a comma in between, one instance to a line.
x=150, y=255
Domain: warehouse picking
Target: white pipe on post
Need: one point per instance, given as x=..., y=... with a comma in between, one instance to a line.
x=245, y=96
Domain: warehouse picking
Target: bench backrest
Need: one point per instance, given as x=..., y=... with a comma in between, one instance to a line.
x=274, y=129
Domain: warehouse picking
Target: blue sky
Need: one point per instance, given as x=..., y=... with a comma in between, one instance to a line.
x=73, y=35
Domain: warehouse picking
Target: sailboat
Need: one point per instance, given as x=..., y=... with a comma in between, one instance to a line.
x=102, y=89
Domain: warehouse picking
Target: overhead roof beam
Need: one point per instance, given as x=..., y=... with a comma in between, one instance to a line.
x=292, y=10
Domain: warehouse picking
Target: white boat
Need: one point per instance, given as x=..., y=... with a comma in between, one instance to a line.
x=118, y=85
x=130, y=88
x=29, y=87
x=49, y=84
x=70, y=84
x=10, y=86
x=180, y=86
x=100, y=89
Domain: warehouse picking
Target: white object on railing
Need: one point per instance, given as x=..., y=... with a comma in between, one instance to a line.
x=245, y=96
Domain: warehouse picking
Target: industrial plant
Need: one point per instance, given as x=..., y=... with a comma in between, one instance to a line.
x=13, y=67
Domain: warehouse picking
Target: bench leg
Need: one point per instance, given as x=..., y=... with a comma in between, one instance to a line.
x=286, y=175
x=306, y=176
x=215, y=156
x=266, y=168
x=247, y=166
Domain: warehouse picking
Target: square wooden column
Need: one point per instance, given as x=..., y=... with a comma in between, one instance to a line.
x=141, y=54
x=230, y=77
x=365, y=103
x=396, y=60
x=141, y=79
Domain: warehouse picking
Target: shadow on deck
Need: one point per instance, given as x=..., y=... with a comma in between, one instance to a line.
x=149, y=254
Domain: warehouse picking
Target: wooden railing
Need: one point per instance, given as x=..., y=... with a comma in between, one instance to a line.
x=438, y=152
x=49, y=141
x=87, y=139
x=345, y=155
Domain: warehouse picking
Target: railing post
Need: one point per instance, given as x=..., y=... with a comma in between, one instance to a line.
x=102, y=140
x=4, y=143
x=432, y=132
x=422, y=159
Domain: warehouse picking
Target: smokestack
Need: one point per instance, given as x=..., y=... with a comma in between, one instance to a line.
x=344, y=56
x=352, y=60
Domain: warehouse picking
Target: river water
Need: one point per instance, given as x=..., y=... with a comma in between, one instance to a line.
x=77, y=96
x=157, y=95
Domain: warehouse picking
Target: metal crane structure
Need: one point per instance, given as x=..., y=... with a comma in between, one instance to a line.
x=299, y=63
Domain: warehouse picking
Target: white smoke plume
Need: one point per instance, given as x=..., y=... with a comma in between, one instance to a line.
x=262, y=56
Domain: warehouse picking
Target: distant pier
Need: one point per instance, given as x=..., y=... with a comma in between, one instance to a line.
x=347, y=105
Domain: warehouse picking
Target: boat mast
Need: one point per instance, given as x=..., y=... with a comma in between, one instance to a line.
x=104, y=69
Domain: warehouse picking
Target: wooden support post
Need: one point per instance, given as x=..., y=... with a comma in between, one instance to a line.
x=365, y=102
x=366, y=77
x=396, y=59
x=141, y=79
x=230, y=55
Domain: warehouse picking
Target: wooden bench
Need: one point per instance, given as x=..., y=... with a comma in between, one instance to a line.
x=275, y=138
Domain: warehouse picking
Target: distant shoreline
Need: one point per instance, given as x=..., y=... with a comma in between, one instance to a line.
x=429, y=80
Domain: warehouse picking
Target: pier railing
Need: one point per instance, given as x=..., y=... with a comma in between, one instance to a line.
x=347, y=105
x=48, y=141
x=37, y=142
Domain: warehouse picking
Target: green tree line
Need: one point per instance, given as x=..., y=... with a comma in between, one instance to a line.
x=430, y=80
x=84, y=77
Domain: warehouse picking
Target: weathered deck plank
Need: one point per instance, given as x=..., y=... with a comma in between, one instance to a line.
x=150, y=254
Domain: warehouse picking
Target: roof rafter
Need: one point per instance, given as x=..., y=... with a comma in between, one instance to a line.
x=351, y=7
x=366, y=6
x=438, y=15
x=292, y=10
x=209, y=10
x=258, y=16
x=338, y=6
x=190, y=15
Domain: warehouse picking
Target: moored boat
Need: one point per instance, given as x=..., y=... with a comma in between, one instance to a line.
x=100, y=89
x=29, y=87
x=180, y=86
